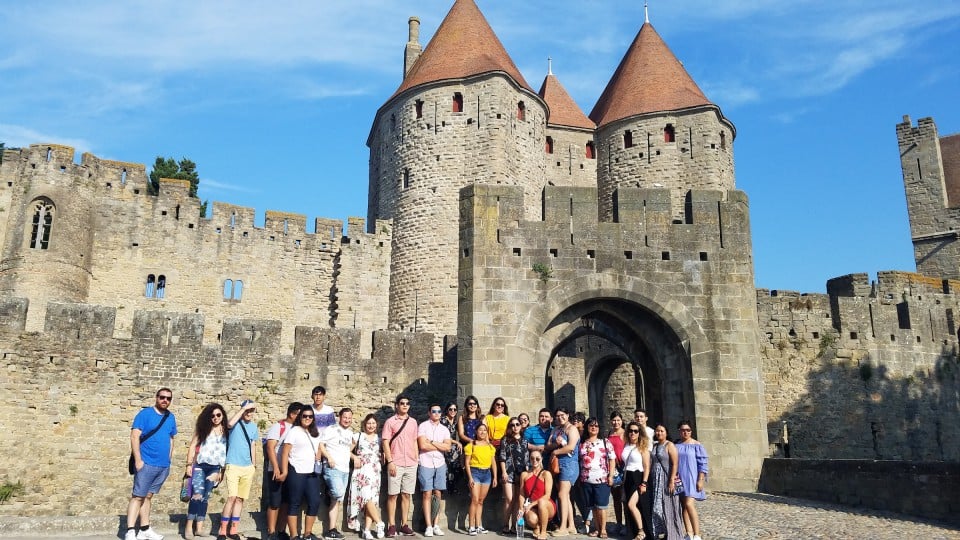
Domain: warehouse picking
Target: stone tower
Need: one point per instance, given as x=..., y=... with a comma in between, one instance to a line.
x=570, y=153
x=463, y=115
x=655, y=128
x=931, y=180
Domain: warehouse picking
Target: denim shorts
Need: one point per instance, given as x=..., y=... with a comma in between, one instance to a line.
x=569, y=469
x=432, y=478
x=481, y=476
x=336, y=482
x=596, y=495
x=149, y=479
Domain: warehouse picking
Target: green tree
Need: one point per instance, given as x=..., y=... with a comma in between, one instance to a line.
x=170, y=168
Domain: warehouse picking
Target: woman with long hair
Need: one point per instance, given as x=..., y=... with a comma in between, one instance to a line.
x=481, y=476
x=365, y=487
x=300, y=472
x=538, y=507
x=597, y=467
x=564, y=443
x=513, y=460
x=636, y=464
x=692, y=469
x=497, y=420
x=618, y=438
x=454, y=456
x=469, y=420
x=206, y=456
x=665, y=519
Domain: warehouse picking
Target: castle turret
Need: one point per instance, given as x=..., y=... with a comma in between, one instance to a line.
x=462, y=115
x=413, y=49
x=570, y=153
x=656, y=128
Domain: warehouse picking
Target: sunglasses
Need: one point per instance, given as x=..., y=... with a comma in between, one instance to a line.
x=515, y=424
x=165, y=398
x=403, y=403
x=307, y=417
x=593, y=425
x=217, y=415
x=472, y=404
x=634, y=431
x=686, y=429
x=435, y=411
x=454, y=409
x=499, y=404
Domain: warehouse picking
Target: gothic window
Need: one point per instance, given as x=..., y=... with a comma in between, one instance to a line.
x=668, y=134
x=42, y=223
x=590, y=151
x=458, y=102
x=151, y=286
x=521, y=111
x=628, y=139
x=549, y=145
x=161, y=286
x=228, y=289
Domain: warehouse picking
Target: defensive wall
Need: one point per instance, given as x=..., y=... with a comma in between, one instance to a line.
x=867, y=371
x=111, y=243
x=77, y=387
x=678, y=298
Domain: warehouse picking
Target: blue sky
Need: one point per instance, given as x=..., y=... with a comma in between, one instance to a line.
x=274, y=101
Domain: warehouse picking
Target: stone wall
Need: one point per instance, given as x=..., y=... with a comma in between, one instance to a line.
x=924, y=489
x=78, y=387
x=108, y=236
x=569, y=165
x=870, y=371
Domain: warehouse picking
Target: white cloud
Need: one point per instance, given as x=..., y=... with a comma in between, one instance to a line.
x=207, y=184
x=18, y=136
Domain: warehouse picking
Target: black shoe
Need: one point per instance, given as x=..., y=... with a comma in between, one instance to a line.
x=333, y=534
x=284, y=536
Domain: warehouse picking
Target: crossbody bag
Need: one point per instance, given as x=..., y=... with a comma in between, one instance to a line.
x=132, y=464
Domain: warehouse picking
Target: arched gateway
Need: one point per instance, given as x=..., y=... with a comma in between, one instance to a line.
x=603, y=315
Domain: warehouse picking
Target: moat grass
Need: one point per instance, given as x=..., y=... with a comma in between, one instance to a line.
x=8, y=490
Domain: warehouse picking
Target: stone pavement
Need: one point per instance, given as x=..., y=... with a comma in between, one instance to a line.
x=724, y=516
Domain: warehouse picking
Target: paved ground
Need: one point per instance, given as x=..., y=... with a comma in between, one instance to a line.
x=725, y=516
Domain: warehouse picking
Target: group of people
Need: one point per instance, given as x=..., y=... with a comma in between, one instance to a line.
x=548, y=471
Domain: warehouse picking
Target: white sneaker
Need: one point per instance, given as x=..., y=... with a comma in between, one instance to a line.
x=131, y=534
x=149, y=534
x=380, y=528
x=696, y=537
x=472, y=531
x=437, y=530
x=367, y=535
x=428, y=533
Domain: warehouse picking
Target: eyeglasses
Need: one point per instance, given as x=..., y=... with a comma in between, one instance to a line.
x=634, y=430
x=499, y=404
x=165, y=398
x=593, y=425
x=404, y=402
x=524, y=420
x=515, y=424
x=685, y=429
x=435, y=411
x=217, y=415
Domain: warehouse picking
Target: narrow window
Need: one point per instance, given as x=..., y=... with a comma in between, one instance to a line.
x=161, y=286
x=237, y=290
x=49, y=154
x=418, y=106
x=42, y=224
x=521, y=111
x=151, y=286
x=549, y=145
x=406, y=178
x=228, y=289
x=233, y=220
x=393, y=122
x=123, y=177
x=286, y=226
x=177, y=215
x=590, y=153
x=458, y=102
x=628, y=139
x=668, y=134
x=723, y=140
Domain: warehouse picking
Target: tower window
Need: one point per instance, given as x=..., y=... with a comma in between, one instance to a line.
x=549, y=145
x=161, y=286
x=628, y=139
x=418, y=106
x=42, y=224
x=669, y=135
x=232, y=290
x=393, y=122
x=591, y=154
x=458, y=102
x=406, y=178
x=521, y=111
x=151, y=286
x=723, y=140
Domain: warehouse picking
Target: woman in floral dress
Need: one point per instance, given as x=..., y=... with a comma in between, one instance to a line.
x=365, y=490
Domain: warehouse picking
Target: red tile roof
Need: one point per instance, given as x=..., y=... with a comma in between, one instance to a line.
x=464, y=45
x=563, y=110
x=649, y=79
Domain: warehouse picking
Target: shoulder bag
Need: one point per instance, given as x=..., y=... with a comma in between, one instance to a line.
x=132, y=464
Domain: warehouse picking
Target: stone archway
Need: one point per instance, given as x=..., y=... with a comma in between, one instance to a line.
x=613, y=354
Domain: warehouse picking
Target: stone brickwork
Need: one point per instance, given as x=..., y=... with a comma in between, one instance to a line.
x=678, y=299
x=869, y=372
x=568, y=164
x=108, y=236
x=635, y=152
x=932, y=196
x=421, y=153
x=81, y=387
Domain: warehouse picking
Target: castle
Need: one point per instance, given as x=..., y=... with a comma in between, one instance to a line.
x=514, y=246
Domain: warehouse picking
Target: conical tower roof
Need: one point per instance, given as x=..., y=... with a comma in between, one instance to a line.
x=563, y=110
x=463, y=45
x=649, y=79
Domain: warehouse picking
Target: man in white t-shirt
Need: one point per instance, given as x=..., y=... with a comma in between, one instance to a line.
x=433, y=439
x=335, y=445
x=276, y=499
x=324, y=415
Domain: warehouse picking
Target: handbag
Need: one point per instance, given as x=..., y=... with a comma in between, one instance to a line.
x=132, y=464
x=186, y=489
x=554, y=464
x=678, y=487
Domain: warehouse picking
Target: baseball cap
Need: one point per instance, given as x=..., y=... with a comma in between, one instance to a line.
x=245, y=402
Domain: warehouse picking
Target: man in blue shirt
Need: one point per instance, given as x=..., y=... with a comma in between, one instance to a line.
x=239, y=472
x=536, y=436
x=151, y=438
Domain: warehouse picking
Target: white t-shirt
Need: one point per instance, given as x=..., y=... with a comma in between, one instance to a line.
x=338, y=441
x=632, y=458
x=303, y=450
x=324, y=417
x=274, y=434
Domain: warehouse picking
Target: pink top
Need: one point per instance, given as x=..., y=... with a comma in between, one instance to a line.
x=436, y=433
x=403, y=451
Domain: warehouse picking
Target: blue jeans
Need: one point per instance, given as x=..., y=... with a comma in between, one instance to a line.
x=202, y=487
x=303, y=486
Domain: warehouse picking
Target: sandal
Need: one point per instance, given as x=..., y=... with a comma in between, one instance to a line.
x=603, y=535
x=593, y=534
